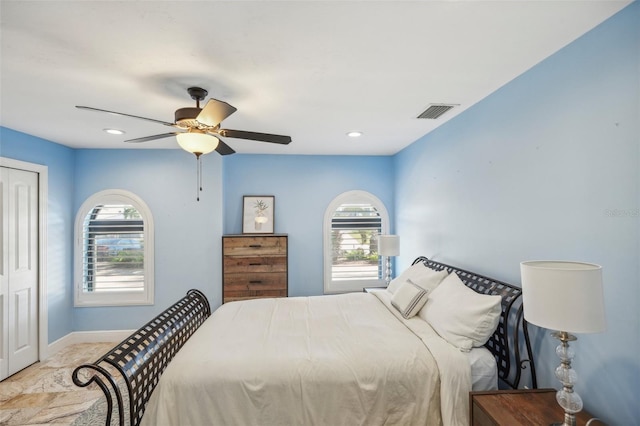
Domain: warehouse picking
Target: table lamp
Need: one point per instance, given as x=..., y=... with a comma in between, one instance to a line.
x=389, y=246
x=566, y=297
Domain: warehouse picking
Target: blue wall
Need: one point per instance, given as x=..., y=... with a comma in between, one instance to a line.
x=303, y=187
x=60, y=162
x=546, y=168
x=187, y=232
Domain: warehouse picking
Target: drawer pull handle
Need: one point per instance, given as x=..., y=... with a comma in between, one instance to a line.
x=255, y=282
x=255, y=264
x=255, y=245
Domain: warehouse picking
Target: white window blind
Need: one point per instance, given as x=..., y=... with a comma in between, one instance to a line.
x=352, y=222
x=114, y=251
x=113, y=236
x=354, y=228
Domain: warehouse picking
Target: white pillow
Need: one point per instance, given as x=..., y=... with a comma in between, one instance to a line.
x=409, y=299
x=461, y=316
x=419, y=274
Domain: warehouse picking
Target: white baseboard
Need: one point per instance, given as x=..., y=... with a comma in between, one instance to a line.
x=75, y=337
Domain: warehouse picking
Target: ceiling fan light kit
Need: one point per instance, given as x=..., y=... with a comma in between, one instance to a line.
x=202, y=127
x=197, y=142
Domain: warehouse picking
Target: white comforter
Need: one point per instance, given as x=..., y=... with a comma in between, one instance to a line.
x=327, y=360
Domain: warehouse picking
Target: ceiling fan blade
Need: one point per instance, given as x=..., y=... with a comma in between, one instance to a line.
x=224, y=149
x=126, y=115
x=214, y=112
x=151, y=138
x=262, y=137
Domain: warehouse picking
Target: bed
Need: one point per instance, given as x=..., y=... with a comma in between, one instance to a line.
x=378, y=357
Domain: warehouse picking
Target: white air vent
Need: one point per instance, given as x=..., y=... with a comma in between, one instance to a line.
x=436, y=110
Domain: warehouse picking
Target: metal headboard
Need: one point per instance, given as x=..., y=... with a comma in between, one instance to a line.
x=505, y=343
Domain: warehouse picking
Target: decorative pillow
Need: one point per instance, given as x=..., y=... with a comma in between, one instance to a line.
x=461, y=316
x=409, y=299
x=420, y=275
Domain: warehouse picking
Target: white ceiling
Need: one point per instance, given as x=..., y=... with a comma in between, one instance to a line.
x=313, y=70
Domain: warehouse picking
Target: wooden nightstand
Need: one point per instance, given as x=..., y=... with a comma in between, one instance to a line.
x=532, y=407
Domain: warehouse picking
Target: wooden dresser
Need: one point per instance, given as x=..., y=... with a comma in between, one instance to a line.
x=254, y=266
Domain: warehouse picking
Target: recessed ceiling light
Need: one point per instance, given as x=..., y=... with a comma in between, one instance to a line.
x=354, y=134
x=114, y=131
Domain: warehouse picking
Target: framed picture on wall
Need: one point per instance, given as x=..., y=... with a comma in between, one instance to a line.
x=258, y=214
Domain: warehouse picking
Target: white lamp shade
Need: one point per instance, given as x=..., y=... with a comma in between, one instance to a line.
x=194, y=142
x=563, y=296
x=389, y=245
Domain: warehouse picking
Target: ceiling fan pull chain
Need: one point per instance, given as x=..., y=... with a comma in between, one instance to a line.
x=198, y=186
x=200, y=172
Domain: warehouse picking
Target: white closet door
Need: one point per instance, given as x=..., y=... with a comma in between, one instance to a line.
x=4, y=274
x=19, y=279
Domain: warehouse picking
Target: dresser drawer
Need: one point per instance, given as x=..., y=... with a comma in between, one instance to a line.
x=255, y=281
x=237, y=264
x=254, y=246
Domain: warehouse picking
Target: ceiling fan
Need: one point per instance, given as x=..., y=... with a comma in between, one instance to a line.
x=200, y=127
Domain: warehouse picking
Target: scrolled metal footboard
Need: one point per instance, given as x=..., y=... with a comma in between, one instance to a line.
x=142, y=357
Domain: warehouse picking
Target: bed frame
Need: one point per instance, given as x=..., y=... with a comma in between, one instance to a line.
x=131, y=370
x=512, y=328
x=141, y=358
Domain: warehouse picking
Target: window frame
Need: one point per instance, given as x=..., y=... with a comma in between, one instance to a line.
x=114, y=298
x=347, y=286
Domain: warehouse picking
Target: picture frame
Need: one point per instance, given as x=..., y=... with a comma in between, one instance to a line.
x=258, y=214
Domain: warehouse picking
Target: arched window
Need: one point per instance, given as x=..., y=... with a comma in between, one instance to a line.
x=113, y=251
x=352, y=222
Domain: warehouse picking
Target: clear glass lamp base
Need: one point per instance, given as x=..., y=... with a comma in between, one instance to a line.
x=387, y=279
x=569, y=400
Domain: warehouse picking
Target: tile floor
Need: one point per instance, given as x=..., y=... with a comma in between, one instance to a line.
x=44, y=393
